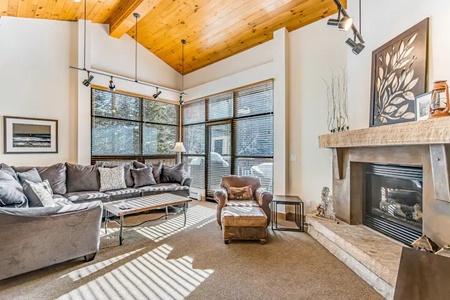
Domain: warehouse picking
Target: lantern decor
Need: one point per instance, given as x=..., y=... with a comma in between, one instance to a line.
x=440, y=106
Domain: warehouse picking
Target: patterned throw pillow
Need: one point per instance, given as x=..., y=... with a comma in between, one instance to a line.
x=240, y=193
x=112, y=178
x=39, y=193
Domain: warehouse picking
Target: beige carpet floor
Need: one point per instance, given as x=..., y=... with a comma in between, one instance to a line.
x=161, y=260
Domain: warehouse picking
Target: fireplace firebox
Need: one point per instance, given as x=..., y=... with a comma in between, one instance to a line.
x=393, y=201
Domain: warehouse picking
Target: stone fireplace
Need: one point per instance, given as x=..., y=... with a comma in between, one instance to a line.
x=422, y=149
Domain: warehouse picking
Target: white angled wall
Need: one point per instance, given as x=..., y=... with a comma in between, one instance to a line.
x=36, y=82
x=383, y=20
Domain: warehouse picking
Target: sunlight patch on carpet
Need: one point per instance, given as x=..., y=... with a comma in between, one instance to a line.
x=150, y=276
x=86, y=271
x=174, y=225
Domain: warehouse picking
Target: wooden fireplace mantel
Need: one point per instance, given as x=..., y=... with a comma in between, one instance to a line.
x=428, y=132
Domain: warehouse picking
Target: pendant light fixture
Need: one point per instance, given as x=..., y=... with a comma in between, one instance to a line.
x=112, y=86
x=179, y=146
x=137, y=16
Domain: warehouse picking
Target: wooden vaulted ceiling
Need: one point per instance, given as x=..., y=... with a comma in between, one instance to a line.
x=213, y=29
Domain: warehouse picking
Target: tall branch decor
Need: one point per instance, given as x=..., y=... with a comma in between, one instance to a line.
x=337, y=102
x=398, y=76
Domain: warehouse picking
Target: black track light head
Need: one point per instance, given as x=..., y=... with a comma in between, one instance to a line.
x=87, y=81
x=112, y=86
x=356, y=47
x=181, y=99
x=333, y=22
x=156, y=95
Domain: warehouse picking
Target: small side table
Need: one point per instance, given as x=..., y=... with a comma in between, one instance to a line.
x=298, y=211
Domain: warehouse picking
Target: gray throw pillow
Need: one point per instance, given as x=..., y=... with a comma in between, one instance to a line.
x=172, y=173
x=55, y=174
x=82, y=178
x=31, y=175
x=156, y=169
x=112, y=178
x=142, y=177
x=11, y=192
x=9, y=170
x=39, y=194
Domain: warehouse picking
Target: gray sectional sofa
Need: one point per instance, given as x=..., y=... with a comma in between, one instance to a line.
x=36, y=237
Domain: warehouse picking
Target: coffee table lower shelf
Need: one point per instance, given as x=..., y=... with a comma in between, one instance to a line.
x=130, y=206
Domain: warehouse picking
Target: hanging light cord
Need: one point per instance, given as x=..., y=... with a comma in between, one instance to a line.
x=360, y=29
x=136, y=15
x=183, y=42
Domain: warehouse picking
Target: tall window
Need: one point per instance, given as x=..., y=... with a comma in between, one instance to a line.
x=230, y=133
x=127, y=127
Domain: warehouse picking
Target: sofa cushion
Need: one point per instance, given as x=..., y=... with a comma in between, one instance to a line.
x=127, y=167
x=82, y=178
x=240, y=193
x=9, y=170
x=112, y=178
x=238, y=216
x=31, y=175
x=55, y=174
x=164, y=187
x=143, y=177
x=11, y=192
x=61, y=200
x=123, y=194
x=156, y=169
x=172, y=173
x=39, y=194
x=87, y=196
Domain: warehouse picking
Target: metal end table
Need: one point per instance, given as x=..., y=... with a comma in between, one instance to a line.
x=299, y=212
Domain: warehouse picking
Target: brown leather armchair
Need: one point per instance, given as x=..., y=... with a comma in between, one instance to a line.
x=262, y=198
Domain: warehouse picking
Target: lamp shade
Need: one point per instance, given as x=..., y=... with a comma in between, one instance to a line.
x=179, y=147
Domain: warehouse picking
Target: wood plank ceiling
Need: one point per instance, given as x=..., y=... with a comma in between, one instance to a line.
x=213, y=29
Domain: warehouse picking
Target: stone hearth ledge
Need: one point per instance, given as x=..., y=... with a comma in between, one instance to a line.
x=432, y=131
x=374, y=257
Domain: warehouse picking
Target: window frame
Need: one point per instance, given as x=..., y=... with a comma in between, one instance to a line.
x=234, y=117
x=140, y=157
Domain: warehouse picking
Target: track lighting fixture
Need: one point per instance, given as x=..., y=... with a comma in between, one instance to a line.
x=156, y=95
x=183, y=42
x=112, y=86
x=356, y=47
x=345, y=23
x=87, y=81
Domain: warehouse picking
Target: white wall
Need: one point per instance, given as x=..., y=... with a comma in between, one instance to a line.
x=35, y=81
x=383, y=20
x=316, y=51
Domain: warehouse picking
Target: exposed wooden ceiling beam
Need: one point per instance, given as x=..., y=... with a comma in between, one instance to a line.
x=122, y=20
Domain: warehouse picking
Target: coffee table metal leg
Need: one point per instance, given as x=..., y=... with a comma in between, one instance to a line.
x=184, y=212
x=167, y=212
x=120, y=232
x=106, y=221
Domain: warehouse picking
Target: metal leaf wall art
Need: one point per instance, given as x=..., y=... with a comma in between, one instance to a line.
x=398, y=75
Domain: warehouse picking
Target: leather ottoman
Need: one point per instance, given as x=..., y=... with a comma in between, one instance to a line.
x=244, y=223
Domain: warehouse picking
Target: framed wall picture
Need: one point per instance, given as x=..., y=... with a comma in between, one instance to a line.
x=423, y=106
x=399, y=73
x=27, y=135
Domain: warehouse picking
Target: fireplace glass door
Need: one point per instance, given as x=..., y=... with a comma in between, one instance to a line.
x=393, y=201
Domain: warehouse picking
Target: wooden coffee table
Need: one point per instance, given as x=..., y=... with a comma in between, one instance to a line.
x=121, y=208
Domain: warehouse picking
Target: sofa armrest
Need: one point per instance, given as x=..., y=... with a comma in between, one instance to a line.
x=33, y=238
x=221, y=198
x=186, y=180
x=264, y=198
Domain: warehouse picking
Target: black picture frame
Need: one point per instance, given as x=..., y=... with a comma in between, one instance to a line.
x=29, y=135
x=399, y=74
